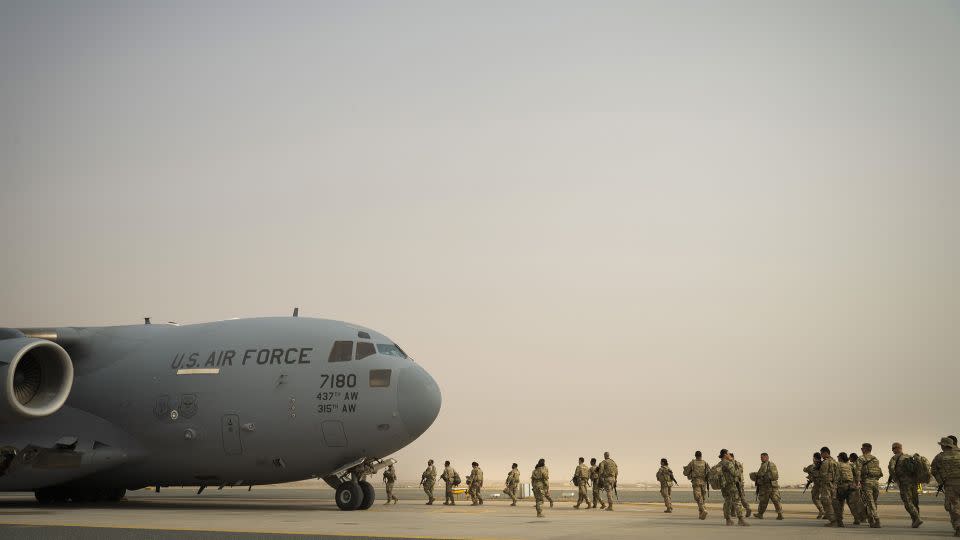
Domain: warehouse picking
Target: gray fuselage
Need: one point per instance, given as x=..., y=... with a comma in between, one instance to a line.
x=251, y=401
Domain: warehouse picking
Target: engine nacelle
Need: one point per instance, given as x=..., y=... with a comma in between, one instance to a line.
x=36, y=376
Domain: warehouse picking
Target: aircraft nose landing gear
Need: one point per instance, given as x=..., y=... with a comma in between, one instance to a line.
x=353, y=492
x=349, y=496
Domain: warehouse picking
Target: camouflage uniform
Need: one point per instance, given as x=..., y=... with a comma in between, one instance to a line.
x=768, y=489
x=582, y=474
x=813, y=471
x=597, y=487
x=743, y=497
x=429, y=480
x=907, y=485
x=730, y=489
x=390, y=478
x=608, y=475
x=475, y=483
x=541, y=486
x=828, y=477
x=844, y=490
x=696, y=471
x=513, y=480
x=664, y=476
x=869, y=474
x=855, y=501
x=946, y=469
x=448, y=476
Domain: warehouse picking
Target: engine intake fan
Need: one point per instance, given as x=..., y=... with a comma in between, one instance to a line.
x=36, y=376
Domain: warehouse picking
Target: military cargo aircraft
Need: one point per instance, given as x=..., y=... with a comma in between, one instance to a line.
x=88, y=413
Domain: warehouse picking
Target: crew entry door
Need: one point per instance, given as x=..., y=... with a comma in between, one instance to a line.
x=231, y=434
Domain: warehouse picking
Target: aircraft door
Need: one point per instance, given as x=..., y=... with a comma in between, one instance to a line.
x=231, y=434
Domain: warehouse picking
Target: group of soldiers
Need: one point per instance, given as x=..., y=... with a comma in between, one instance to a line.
x=602, y=477
x=727, y=476
x=855, y=482
x=848, y=480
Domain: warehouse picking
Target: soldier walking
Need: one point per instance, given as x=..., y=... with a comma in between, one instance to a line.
x=390, y=478
x=857, y=507
x=730, y=489
x=429, y=480
x=597, y=483
x=540, y=479
x=768, y=487
x=450, y=479
x=844, y=487
x=828, y=477
x=697, y=471
x=513, y=480
x=868, y=477
x=907, y=482
x=581, y=477
x=608, y=476
x=813, y=471
x=946, y=469
x=743, y=496
x=666, y=479
x=475, y=484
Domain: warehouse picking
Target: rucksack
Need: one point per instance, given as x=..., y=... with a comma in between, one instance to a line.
x=688, y=470
x=715, y=476
x=917, y=467
x=456, y=478
x=873, y=470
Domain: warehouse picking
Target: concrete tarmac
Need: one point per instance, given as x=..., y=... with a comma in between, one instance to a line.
x=283, y=513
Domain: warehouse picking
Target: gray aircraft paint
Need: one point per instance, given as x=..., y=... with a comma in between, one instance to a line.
x=143, y=418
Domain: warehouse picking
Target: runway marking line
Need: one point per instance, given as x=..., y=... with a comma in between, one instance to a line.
x=233, y=531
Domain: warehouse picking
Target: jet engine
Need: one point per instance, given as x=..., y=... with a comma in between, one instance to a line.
x=36, y=376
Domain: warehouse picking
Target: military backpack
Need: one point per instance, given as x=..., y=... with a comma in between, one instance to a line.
x=916, y=467
x=873, y=470
x=715, y=476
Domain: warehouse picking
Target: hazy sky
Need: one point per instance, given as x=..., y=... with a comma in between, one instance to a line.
x=643, y=227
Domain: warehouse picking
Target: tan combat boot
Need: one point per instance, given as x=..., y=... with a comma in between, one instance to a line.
x=779, y=516
x=703, y=514
x=916, y=522
x=875, y=524
x=758, y=515
x=729, y=522
x=742, y=522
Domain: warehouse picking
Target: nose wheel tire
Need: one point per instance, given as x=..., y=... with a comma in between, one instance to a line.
x=349, y=496
x=369, y=495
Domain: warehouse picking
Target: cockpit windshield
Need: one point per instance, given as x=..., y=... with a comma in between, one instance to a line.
x=390, y=349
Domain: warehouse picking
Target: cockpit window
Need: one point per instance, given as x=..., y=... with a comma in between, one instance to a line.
x=379, y=378
x=342, y=351
x=390, y=349
x=365, y=349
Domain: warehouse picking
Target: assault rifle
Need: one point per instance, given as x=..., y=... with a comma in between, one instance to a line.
x=939, y=490
x=893, y=472
x=674, y=478
x=806, y=486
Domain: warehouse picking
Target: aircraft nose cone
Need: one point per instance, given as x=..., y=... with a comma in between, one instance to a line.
x=418, y=400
